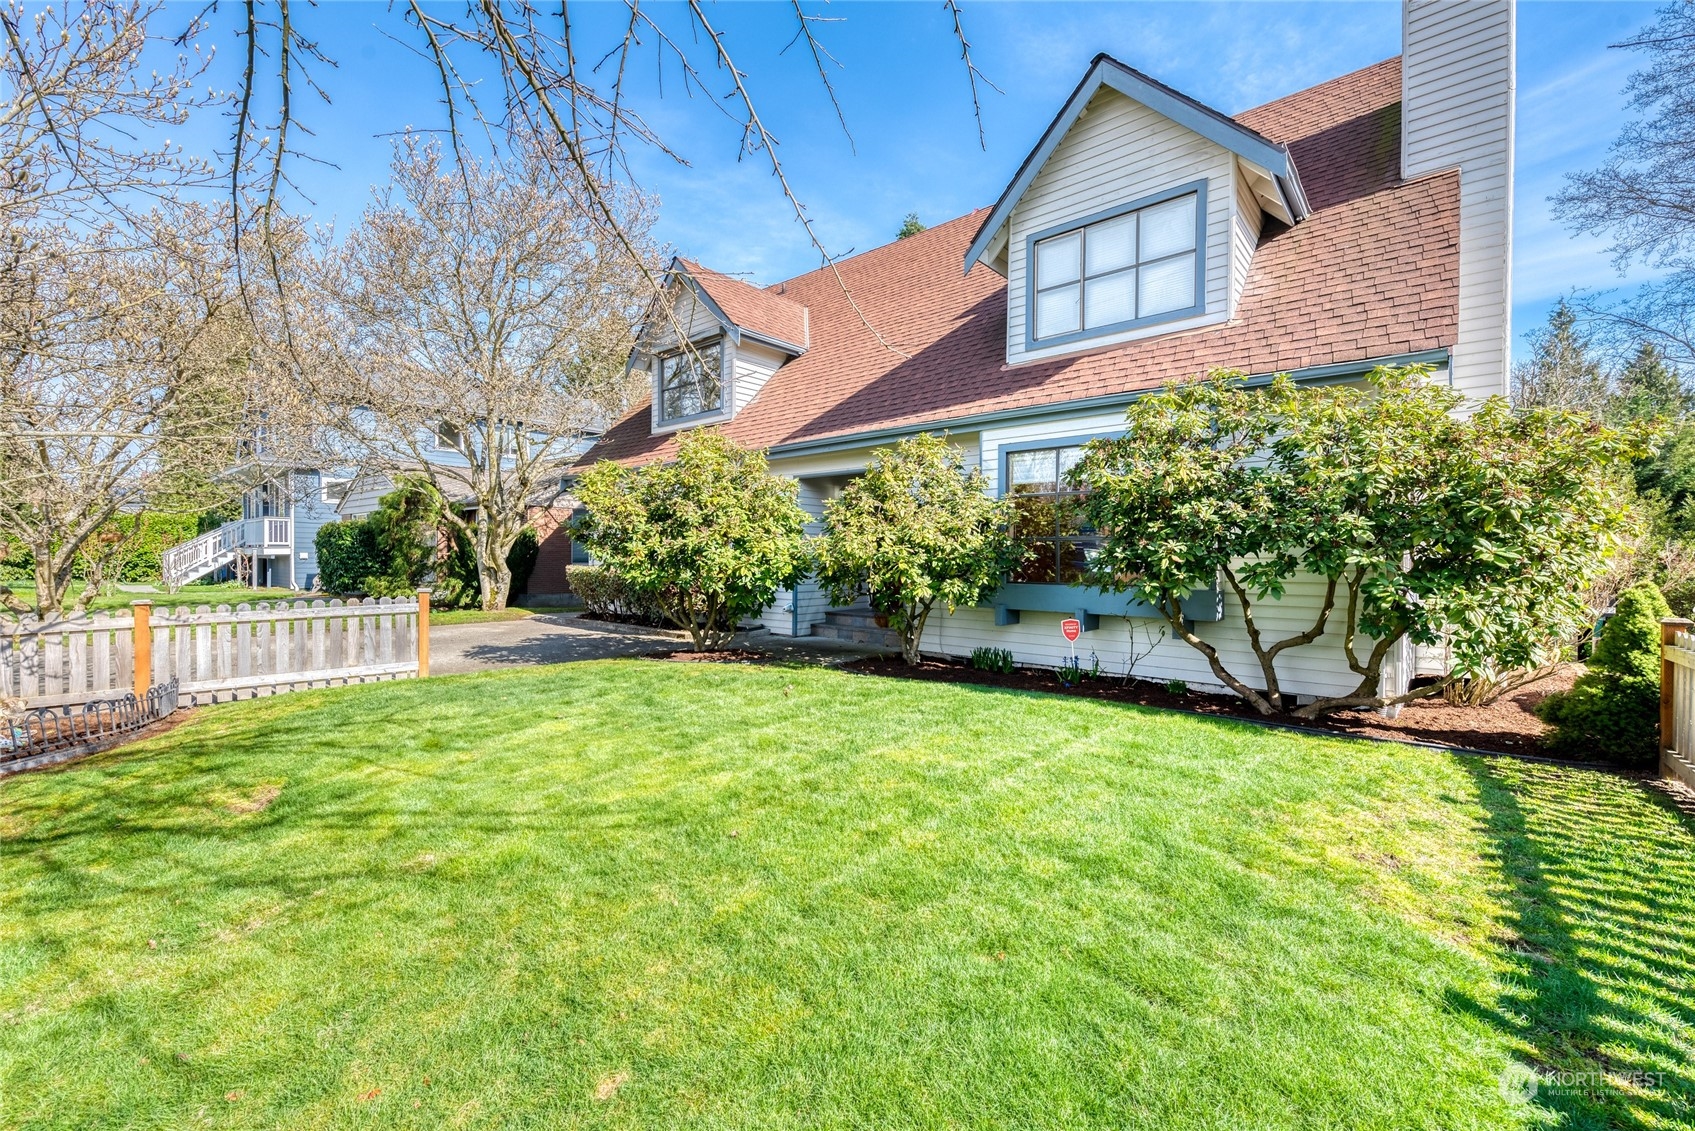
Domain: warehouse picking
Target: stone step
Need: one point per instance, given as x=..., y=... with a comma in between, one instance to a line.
x=851, y=618
x=871, y=636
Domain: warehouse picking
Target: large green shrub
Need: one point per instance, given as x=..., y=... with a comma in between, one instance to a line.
x=712, y=535
x=1612, y=712
x=347, y=555
x=608, y=596
x=916, y=530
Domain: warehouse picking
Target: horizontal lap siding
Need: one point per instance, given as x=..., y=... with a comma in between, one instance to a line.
x=1120, y=152
x=753, y=365
x=1246, y=219
x=1457, y=94
x=1315, y=669
x=807, y=601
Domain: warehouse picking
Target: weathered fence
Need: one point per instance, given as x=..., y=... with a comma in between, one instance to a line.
x=1677, y=700
x=45, y=735
x=215, y=654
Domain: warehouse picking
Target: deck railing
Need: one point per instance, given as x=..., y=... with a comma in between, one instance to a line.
x=1677, y=700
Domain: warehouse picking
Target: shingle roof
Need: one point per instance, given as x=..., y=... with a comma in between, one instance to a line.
x=760, y=310
x=1374, y=272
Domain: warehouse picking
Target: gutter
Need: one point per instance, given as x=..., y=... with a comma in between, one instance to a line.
x=1315, y=374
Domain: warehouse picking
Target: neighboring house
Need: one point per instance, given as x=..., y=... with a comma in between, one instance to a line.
x=274, y=542
x=272, y=545
x=1146, y=238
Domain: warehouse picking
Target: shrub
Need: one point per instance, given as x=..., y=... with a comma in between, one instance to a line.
x=347, y=555
x=1483, y=529
x=607, y=595
x=1613, y=710
x=991, y=660
x=1176, y=687
x=916, y=529
x=521, y=559
x=711, y=535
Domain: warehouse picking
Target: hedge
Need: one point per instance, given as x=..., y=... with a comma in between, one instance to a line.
x=606, y=595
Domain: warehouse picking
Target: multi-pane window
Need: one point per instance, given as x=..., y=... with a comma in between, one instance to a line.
x=691, y=382
x=1047, y=516
x=1134, y=266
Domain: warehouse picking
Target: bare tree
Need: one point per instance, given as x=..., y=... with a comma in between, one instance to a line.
x=118, y=335
x=1643, y=197
x=473, y=329
x=124, y=384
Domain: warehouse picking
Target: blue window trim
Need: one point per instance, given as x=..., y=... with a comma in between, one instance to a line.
x=724, y=390
x=1196, y=188
x=1086, y=603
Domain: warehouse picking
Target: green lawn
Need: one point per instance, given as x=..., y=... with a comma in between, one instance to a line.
x=478, y=616
x=226, y=593
x=636, y=894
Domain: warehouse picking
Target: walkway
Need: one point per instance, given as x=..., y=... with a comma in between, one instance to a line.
x=555, y=638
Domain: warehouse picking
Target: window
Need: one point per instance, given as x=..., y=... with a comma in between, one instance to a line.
x=1047, y=517
x=335, y=491
x=1133, y=267
x=691, y=382
x=448, y=438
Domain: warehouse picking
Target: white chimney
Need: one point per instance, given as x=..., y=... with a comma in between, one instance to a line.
x=1457, y=87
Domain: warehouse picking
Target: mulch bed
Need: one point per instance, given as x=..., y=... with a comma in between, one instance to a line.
x=1506, y=726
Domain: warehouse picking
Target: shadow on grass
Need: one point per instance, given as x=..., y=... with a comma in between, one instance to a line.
x=1599, y=964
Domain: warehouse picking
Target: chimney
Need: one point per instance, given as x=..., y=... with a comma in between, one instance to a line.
x=1457, y=88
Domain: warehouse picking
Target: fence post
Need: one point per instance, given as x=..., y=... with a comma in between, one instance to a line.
x=142, y=646
x=423, y=633
x=1669, y=628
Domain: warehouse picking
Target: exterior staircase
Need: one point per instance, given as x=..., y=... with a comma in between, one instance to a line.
x=856, y=626
x=194, y=559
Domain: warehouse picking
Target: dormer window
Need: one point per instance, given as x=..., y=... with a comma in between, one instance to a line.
x=1133, y=266
x=691, y=381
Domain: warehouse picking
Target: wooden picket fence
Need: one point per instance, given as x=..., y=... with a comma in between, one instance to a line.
x=216, y=654
x=1677, y=700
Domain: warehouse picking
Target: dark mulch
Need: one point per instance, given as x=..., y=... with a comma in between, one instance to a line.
x=1506, y=726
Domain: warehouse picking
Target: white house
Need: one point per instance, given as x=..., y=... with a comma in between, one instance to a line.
x=1146, y=238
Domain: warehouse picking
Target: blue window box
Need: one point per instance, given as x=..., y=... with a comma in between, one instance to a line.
x=1089, y=605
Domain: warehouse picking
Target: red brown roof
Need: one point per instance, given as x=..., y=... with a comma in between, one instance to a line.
x=1372, y=273
x=762, y=311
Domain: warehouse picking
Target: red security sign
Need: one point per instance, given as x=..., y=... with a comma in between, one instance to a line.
x=1071, y=628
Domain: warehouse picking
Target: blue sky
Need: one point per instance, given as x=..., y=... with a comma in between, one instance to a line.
x=915, y=145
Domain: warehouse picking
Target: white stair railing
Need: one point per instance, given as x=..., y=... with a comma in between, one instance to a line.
x=200, y=556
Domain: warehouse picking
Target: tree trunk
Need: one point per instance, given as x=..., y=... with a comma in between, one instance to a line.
x=494, y=577
x=912, y=630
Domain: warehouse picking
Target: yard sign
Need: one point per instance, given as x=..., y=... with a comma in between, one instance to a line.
x=1071, y=629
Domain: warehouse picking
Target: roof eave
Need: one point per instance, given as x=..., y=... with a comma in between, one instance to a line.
x=1156, y=96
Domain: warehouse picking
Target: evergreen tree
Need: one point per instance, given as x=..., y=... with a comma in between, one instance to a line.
x=911, y=226
x=1648, y=387
x=1563, y=373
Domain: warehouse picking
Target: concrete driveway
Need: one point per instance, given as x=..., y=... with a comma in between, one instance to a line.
x=555, y=638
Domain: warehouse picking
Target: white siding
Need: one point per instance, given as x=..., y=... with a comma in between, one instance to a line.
x=807, y=603
x=1086, y=427
x=1457, y=86
x=1119, y=152
x=753, y=366
x=1316, y=669
x=1246, y=220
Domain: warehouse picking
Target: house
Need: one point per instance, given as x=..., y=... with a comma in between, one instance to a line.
x=1146, y=238
x=274, y=542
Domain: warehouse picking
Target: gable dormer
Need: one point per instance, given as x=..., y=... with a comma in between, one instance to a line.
x=714, y=343
x=1135, y=215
